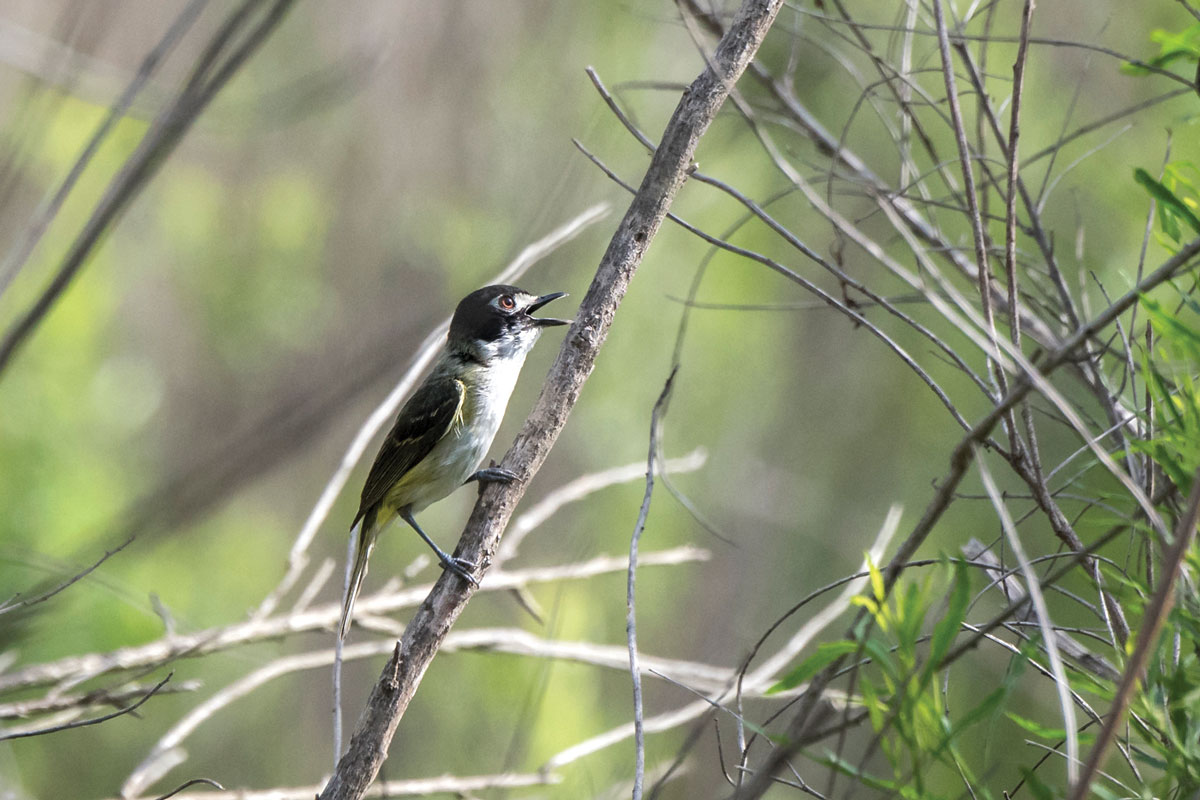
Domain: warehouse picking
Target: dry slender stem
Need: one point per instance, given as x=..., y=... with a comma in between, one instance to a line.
x=635, y=673
x=189, y=784
x=983, y=270
x=74, y=670
x=466, y=785
x=94, y=721
x=1062, y=685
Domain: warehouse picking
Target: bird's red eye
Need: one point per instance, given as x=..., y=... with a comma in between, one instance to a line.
x=507, y=302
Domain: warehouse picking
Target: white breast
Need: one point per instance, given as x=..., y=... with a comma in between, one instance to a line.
x=456, y=457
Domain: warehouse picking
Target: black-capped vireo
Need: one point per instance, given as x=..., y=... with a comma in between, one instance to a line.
x=446, y=427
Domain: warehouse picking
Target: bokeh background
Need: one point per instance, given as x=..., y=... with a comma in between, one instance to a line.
x=375, y=161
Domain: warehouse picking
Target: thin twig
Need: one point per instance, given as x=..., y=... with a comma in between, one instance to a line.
x=843, y=277
x=78, y=702
x=796, y=277
x=1013, y=591
x=635, y=673
x=803, y=726
x=1043, y=616
x=168, y=750
x=766, y=674
x=189, y=784
x=580, y=488
x=983, y=270
x=15, y=603
x=85, y=722
x=1010, y=223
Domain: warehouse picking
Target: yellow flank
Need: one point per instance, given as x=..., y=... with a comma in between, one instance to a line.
x=457, y=420
x=434, y=476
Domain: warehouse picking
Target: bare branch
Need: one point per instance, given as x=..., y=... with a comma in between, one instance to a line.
x=189, y=784
x=1061, y=684
x=78, y=669
x=1014, y=592
x=94, y=721
x=803, y=726
x=639, y=736
x=15, y=603
x=580, y=488
x=416, y=787
x=748, y=683
x=79, y=701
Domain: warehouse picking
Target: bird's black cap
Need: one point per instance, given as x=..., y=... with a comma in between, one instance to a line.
x=500, y=310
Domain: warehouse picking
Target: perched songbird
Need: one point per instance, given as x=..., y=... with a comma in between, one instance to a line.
x=447, y=426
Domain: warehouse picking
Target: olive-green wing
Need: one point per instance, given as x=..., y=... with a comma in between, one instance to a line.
x=424, y=420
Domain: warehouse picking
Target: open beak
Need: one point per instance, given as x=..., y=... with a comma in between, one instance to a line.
x=546, y=322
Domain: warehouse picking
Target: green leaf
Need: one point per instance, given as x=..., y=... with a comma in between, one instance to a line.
x=865, y=602
x=826, y=654
x=1174, y=45
x=1036, y=728
x=1169, y=325
x=846, y=768
x=911, y=610
x=1184, y=42
x=882, y=658
x=877, y=585
x=875, y=707
x=956, y=612
x=1038, y=789
x=1165, y=196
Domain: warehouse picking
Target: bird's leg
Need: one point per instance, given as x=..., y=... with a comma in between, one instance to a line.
x=459, y=566
x=492, y=474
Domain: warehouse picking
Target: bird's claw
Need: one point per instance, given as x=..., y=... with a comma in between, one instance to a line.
x=493, y=474
x=461, y=567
